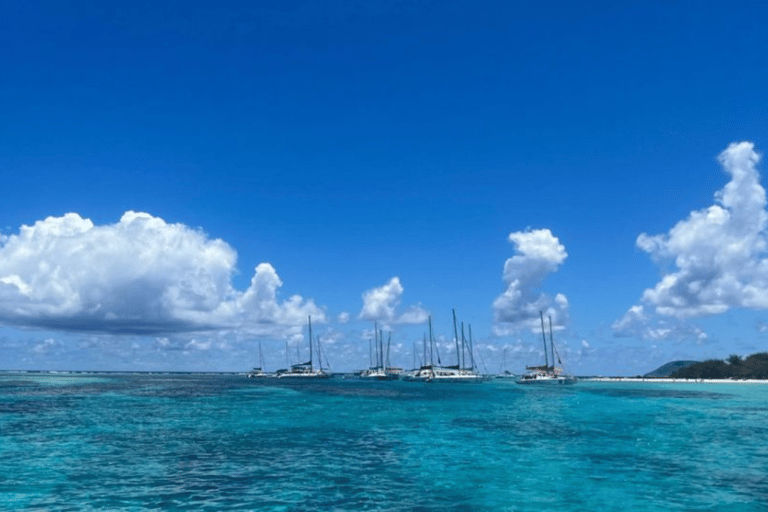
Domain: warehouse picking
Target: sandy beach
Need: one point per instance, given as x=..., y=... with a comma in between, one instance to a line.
x=683, y=381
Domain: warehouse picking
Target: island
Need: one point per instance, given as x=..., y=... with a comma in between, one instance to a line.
x=753, y=367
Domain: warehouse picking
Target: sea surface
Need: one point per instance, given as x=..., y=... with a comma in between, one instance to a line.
x=225, y=442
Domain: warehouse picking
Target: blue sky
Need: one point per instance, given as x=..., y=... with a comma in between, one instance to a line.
x=186, y=180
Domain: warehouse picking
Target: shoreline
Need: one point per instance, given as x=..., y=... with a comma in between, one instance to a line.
x=671, y=380
x=668, y=380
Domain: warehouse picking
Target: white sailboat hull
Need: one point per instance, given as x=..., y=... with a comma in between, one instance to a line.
x=304, y=375
x=260, y=375
x=439, y=374
x=378, y=374
x=539, y=379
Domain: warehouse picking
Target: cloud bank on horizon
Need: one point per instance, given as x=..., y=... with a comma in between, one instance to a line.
x=539, y=253
x=719, y=255
x=145, y=276
x=140, y=275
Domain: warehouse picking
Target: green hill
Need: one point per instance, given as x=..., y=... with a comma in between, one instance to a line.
x=751, y=367
x=668, y=369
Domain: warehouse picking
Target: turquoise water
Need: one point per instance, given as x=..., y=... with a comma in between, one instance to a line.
x=224, y=442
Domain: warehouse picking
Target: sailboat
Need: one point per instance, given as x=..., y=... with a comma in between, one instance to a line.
x=382, y=370
x=460, y=372
x=547, y=374
x=258, y=371
x=438, y=373
x=305, y=370
x=426, y=372
x=504, y=373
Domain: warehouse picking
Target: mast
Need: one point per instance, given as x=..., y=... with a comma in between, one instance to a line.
x=463, y=345
x=551, y=341
x=261, y=358
x=431, y=351
x=544, y=335
x=503, y=361
x=471, y=349
x=319, y=354
x=310, y=343
x=456, y=337
x=425, y=349
x=381, y=346
x=376, y=341
x=386, y=361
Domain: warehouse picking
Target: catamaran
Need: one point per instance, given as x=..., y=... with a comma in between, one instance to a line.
x=460, y=372
x=547, y=374
x=382, y=369
x=438, y=373
x=258, y=371
x=306, y=370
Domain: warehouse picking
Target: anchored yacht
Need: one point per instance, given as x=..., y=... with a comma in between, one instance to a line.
x=305, y=370
x=547, y=374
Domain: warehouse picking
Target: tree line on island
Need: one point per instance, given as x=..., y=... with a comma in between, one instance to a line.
x=754, y=366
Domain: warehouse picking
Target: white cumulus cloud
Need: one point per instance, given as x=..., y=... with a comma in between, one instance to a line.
x=45, y=346
x=381, y=304
x=198, y=345
x=140, y=275
x=718, y=256
x=538, y=254
x=638, y=323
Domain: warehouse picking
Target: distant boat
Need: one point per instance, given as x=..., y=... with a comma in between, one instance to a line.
x=426, y=372
x=456, y=373
x=547, y=374
x=305, y=370
x=258, y=371
x=503, y=372
x=381, y=370
x=461, y=372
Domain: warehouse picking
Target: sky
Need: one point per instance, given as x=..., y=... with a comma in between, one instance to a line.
x=185, y=182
